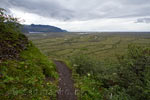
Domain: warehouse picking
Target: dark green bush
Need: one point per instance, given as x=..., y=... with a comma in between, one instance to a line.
x=83, y=64
x=133, y=72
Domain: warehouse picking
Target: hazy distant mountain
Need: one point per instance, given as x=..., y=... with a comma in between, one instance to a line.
x=41, y=28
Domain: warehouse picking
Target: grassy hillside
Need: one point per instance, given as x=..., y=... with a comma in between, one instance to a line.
x=25, y=73
x=29, y=77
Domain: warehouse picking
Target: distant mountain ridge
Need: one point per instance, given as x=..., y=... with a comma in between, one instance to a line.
x=41, y=28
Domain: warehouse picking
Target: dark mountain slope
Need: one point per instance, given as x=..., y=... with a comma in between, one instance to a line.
x=41, y=28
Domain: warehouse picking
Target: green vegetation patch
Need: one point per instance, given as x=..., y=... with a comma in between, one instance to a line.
x=25, y=73
x=28, y=78
x=127, y=79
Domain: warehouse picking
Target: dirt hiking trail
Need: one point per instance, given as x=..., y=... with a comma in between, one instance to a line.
x=66, y=84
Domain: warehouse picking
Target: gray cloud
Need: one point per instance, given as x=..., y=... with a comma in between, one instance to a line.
x=143, y=20
x=81, y=9
x=40, y=7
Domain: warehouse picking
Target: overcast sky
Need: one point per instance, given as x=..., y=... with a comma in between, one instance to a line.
x=83, y=15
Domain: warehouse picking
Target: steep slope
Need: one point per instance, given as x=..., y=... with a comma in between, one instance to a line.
x=26, y=78
x=25, y=73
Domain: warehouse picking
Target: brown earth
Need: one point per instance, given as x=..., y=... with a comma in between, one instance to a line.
x=66, y=84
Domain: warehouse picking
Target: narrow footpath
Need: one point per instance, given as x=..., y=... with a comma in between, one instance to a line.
x=66, y=84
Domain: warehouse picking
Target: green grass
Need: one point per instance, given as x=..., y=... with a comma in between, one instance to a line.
x=29, y=77
x=100, y=45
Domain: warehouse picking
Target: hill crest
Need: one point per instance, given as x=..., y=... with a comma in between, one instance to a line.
x=41, y=28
